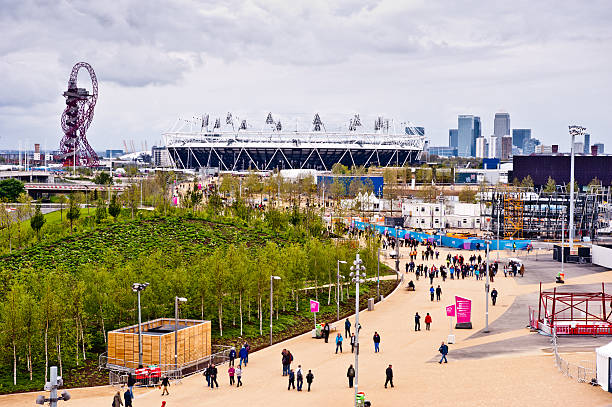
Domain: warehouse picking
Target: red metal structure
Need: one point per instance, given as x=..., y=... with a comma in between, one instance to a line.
x=76, y=119
x=573, y=313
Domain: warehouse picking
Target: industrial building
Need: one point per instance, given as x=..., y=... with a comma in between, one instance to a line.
x=539, y=168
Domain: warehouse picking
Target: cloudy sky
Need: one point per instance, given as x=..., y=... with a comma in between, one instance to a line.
x=545, y=62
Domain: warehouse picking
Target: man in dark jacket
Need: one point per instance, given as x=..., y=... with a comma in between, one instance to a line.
x=309, y=378
x=130, y=383
x=128, y=398
x=285, y=361
x=326, y=332
x=417, y=322
x=494, y=296
x=444, y=351
x=351, y=375
x=232, y=356
x=291, y=380
x=376, y=339
x=347, y=328
x=165, y=384
x=213, y=376
x=243, y=354
x=438, y=292
x=389, y=373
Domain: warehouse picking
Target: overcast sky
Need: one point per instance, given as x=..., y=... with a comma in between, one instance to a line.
x=547, y=63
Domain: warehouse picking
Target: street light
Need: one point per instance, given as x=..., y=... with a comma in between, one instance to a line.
x=52, y=385
x=137, y=288
x=486, y=329
x=272, y=278
x=338, y=290
x=378, y=273
x=176, y=305
x=357, y=276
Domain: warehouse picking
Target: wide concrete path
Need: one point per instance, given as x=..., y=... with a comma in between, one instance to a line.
x=488, y=379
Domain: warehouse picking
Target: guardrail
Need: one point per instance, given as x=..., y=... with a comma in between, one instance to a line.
x=584, y=372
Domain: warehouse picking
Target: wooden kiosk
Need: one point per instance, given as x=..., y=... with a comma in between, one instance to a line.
x=194, y=343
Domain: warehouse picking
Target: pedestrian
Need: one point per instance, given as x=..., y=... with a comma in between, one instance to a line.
x=128, y=398
x=248, y=349
x=165, y=384
x=117, y=402
x=427, y=321
x=291, y=380
x=243, y=355
x=230, y=372
x=444, y=351
x=417, y=322
x=494, y=296
x=300, y=378
x=347, y=328
x=130, y=383
x=352, y=343
x=309, y=379
x=207, y=375
x=232, y=356
x=438, y=292
x=326, y=332
x=339, y=342
x=213, y=376
x=351, y=375
x=238, y=376
x=389, y=374
x=432, y=292
x=376, y=339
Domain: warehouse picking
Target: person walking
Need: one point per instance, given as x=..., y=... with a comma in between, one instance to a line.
x=427, y=321
x=300, y=378
x=291, y=380
x=238, y=376
x=213, y=376
x=130, y=384
x=389, y=374
x=352, y=343
x=326, y=332
x=351, y=375
x=438, y=292
x=285, y=361
x=232, y=356
x=243, y=354
x=443, y=351
x=165, y=384
x=347, y=328
x=339, y=342
x=309, y=379
x=207, y=375
x=231, y=371
x=117, y=402
x=376, y=339
x=494, y=296
x=432, y=292
x=417, y=322
x=128, y=398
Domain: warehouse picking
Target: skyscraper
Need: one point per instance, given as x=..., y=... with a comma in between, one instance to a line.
x=453, y=137
x=468, y=131
x=587, y=143
x=482, y=147
x=494, y=147
x=501, y=125
x=506, y=147
x=520, y=137
x=600, y=148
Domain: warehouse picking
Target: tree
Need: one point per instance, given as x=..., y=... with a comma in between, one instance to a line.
x=6, y=222
x=11, y=313
x=339, y=169
x=74, y=210
x=527, y=182
x=467, y=195
x=62, y=201
x=114, y=208
x=100, y=211
x=11, y=189
x=23, y=211
x=551, y=186
x=37, y=221
x=103, y=178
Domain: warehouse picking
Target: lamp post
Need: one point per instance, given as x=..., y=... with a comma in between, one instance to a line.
x=176, y=305
x=574, y=131
x=137, y=288
x=487, y=286
x=358, y=276
x=338, y=290
x=378, y=274
x=52, y=385
x=272, y=278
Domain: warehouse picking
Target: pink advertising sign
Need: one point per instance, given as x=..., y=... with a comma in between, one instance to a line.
x=314, y=306
x=464, y=310
x=450, y=311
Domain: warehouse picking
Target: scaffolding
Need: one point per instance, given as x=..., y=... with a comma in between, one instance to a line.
x=522, y=213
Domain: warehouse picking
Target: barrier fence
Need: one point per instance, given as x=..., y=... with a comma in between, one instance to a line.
x=584, y=371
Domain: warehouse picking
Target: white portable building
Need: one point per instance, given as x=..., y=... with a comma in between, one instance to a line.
x=604, y=365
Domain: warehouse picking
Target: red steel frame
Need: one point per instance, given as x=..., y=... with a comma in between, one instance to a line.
x=553, y=306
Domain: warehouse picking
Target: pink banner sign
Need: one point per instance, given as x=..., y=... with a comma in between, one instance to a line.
x=314, y=306
x=464, y=310
x=450, y=311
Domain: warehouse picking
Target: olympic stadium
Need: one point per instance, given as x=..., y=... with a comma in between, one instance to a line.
x=237, y=146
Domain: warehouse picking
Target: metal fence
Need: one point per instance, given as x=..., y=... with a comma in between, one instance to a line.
x=118, y=374
x=584, y=371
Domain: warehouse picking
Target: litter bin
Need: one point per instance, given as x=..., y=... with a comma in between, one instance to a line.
x=370, y=304
x=451, y=338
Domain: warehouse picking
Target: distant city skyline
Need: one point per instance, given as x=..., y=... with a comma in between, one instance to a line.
x=424, y=62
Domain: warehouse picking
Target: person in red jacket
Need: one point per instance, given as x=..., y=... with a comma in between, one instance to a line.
x=427, y=321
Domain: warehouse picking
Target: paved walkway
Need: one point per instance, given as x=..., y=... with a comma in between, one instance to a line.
x=485, y=377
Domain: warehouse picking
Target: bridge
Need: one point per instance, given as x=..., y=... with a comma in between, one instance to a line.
x=33, y=187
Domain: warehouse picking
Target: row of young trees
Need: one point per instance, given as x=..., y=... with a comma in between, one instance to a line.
x=62, y=316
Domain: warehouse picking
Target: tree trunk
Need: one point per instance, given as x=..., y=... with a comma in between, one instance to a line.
x=297, y=300
x=46, y=351
x=221, y=318
x=202, y=308
x=103, y=327
x=59, y=352
x=329, y=284
x=76, y=342
x=240, y=305
x=83, y=340
x=316, y=290
x=30, y=358
x=14, y=364
x=260, y=317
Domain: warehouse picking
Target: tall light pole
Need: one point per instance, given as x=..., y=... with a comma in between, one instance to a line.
x=272, y=278
x=358, y=276
x=137, y=288
x=498, y=220
x=574, y=131
x=52, y=385
x=378, y=274
x=176, y=305
x=562, y=239
x=338, y=290
x=488, y=271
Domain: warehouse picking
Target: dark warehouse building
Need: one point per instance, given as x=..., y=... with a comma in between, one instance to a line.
x=540, y=167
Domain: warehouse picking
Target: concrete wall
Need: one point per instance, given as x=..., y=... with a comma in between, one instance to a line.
x=602, y=256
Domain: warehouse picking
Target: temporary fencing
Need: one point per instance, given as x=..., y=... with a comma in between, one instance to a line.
x=584, y=371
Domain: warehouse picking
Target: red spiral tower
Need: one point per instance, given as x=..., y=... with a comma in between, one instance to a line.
x=76, y=119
